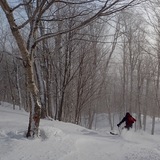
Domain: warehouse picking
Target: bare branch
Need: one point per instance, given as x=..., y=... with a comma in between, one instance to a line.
x=102, y=12
x=83, y=2
x=21, y=4
x=33, y=16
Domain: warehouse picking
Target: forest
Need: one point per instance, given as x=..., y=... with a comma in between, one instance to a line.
x=69, y=60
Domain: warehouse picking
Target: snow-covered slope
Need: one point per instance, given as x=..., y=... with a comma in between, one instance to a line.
x=66, y=141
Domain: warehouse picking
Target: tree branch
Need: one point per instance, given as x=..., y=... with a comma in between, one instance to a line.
x=21, y=4
x=102, y=12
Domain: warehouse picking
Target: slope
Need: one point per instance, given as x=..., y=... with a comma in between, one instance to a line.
x=66, y=141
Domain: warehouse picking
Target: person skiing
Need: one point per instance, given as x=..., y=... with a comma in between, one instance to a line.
x=129, y=120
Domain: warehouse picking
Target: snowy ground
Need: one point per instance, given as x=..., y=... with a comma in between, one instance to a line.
x=65, y=141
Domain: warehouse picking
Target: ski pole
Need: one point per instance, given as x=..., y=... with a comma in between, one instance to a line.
x=119, y=130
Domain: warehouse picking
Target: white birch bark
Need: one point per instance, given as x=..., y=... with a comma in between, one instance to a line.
x=27, y=59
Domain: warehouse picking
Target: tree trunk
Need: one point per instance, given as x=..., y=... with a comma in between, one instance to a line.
x=10, y=86
x=18, y=85
x=146, y=104
x=139, y=85
x=41, y=87
x=28, y=62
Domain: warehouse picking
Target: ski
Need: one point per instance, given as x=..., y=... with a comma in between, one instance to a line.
x=113, y=133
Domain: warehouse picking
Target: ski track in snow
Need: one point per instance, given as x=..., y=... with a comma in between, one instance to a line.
x=66, y=141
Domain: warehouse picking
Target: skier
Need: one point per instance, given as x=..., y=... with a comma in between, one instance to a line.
x=129, y=121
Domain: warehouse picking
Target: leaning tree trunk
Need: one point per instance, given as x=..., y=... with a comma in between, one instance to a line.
x=33, y=130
